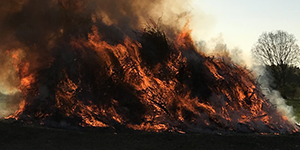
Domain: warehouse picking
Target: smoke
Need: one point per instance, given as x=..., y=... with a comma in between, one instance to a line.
x=265, y=80
x=8, y=104
x=8, y=80
x=31, y=30
x=35, y=26
x=217, y=47
x=9, y=97
x=64, y=56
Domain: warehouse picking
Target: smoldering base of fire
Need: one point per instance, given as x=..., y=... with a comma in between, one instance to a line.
x=83, y=66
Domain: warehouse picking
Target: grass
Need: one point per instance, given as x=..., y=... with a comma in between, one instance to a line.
x=16, y=136
x=296, y=107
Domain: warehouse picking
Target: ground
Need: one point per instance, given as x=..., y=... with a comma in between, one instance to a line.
x=16, y=136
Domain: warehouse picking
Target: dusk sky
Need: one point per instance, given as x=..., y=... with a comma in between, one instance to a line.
x=239, y=22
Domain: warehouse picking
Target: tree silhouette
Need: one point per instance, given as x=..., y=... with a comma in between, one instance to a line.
x=277, y=48
x=278, y=51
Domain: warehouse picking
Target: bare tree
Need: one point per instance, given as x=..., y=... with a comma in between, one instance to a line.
x=277, y=48
x=279, y=52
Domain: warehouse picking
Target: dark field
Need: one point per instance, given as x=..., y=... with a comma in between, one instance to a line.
x=16, y=136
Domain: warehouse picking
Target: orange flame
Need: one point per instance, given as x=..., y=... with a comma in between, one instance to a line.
x=100, y=82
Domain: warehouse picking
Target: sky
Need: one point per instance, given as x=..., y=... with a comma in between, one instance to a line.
x=239, y=23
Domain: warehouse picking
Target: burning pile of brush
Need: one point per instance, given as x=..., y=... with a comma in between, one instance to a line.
x=79, y=64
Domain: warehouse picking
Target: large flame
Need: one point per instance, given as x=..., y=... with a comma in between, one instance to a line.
x=84, y=68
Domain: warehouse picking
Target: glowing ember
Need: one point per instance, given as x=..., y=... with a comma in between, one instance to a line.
x=86, y=72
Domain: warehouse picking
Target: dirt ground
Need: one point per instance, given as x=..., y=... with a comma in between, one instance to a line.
x=15, y=136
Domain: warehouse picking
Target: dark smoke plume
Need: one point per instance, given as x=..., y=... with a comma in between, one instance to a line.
x=106, y=63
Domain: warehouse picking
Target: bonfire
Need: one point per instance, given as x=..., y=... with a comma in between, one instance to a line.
x=76, y=66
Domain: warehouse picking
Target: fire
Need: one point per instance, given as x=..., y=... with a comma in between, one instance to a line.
x=92, y=74
x=18, y=112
